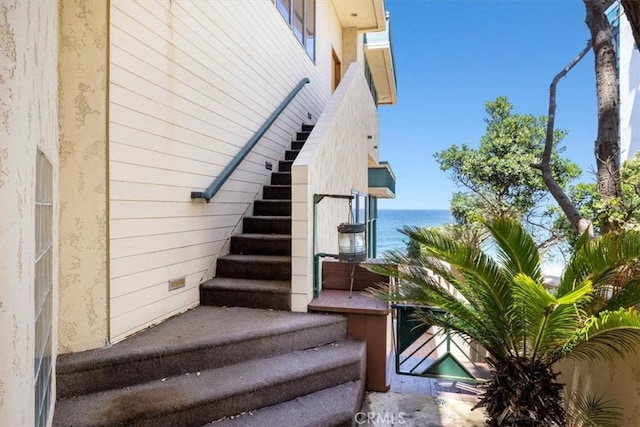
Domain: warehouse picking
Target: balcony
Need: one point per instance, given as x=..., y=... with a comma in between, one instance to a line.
x=379, y=55
x=382, y=181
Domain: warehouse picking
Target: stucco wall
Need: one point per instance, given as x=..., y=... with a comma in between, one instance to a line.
x=629, y=64
x=617, y=380
x=83, y=175
x=333, y=160
x=28, y=122
x=190, y=83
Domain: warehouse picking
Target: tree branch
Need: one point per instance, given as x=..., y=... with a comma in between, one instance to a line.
x=574, y=217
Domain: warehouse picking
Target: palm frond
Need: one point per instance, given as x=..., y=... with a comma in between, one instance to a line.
x=599, y=259
x=593, y=411
x=516, y=248
x=624, y=297
x=606, y=334
x=476, y=275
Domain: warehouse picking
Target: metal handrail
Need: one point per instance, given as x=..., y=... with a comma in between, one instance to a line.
x=231, y=167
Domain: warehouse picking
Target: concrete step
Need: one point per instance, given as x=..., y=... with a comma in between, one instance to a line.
x=202, y=338
x=259, y=267
x=276, y=192
x=267, y=294
x=335, y=406
x=272, y=208
x=261, y=244
x=281, y=178
x=267, y=224
x=205, y=396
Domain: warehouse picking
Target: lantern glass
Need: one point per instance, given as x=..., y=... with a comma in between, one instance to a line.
x=351, y=243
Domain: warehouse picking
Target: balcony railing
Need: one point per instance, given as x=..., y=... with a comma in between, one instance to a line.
x=382, y=181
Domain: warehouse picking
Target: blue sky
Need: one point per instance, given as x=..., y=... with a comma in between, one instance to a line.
x=452, y=56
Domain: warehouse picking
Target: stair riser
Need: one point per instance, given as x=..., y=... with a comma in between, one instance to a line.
x=240, y=298
x=266, y=396
x=253, y=270
x=270, y=192
x=291, y=154
x=259, y=246
x=272, y=208
x=307, y=128
x=285, y=165
x=302, y=136
x=266, y=226
x=192, y=360
x=278, y=178
x=297, y=145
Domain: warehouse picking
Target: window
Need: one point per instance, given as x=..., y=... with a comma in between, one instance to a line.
x=43, y=288
x=301, y=17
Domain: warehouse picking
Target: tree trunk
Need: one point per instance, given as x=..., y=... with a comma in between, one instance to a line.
x=632, y=10
x=575, y=219
x=607, y=146
x=522, y=393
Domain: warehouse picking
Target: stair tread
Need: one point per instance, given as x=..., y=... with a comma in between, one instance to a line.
x=200, y=327
x=262, y=236
x=173, y=395
x=270, y=217
x=247, y=285
x=256, y=258
x=328, y=407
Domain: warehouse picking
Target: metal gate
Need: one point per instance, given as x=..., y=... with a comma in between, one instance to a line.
x=425, y=350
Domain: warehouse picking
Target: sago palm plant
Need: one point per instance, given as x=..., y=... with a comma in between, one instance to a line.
x=502, y=303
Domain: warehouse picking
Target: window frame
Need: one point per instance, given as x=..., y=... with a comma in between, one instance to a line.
x=304, y=37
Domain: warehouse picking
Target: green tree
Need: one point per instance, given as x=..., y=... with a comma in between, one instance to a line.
x=502, y=303
x=497, y=176
x=622, y=212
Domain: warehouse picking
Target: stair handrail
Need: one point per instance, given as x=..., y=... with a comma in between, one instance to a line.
x=235, y=162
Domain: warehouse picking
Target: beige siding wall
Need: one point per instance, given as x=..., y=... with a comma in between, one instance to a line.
x=190, y=83
x=28, y=122
x=334, y=160
x=83, y=175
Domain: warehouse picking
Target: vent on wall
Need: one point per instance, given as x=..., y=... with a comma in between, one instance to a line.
x=177, y=283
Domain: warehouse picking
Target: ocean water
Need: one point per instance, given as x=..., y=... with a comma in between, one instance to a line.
x=390, y=220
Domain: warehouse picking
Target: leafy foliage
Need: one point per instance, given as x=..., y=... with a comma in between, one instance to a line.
x=497, y=175
x=622, y=212
x=502, y=303
x=593, y=411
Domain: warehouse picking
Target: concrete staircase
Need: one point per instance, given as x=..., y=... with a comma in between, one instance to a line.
x=257, y=271
x=275, y=368
x=240, y=359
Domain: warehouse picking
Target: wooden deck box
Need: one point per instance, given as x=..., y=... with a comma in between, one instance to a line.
x=367, y=318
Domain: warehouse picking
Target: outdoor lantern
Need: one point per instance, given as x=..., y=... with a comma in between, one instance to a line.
x=351, y=243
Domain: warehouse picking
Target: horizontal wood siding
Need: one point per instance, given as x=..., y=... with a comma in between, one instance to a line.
x=190, y=83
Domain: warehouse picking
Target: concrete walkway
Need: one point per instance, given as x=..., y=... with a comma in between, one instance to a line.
x=420, y=402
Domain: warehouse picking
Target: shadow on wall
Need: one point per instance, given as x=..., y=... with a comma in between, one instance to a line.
x=617, y=379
